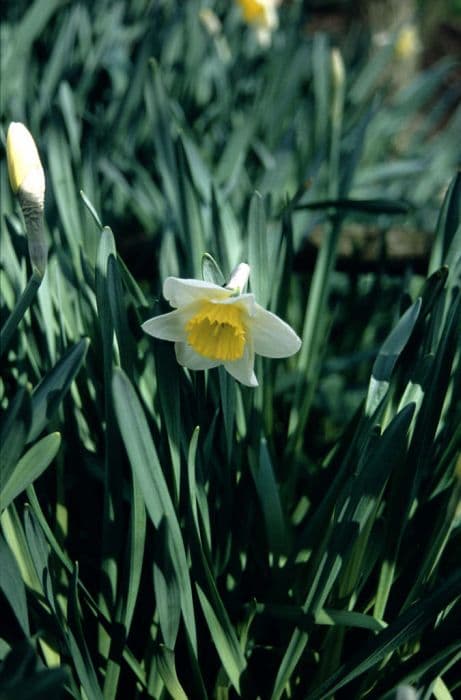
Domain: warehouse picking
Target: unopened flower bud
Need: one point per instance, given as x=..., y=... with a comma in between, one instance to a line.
x=239, y=278
x=210, y=21
x=337, y=68
x=28, y=182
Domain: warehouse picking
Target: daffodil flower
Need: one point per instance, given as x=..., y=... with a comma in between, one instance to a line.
x=262, y=15
x=214, y=325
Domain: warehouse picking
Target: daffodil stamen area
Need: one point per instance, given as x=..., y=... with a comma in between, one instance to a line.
x=218, y=331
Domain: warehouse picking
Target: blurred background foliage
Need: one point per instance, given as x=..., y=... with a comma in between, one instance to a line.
x=303, y=541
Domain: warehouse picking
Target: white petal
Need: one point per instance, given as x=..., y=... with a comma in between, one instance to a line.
x=242, y=369
x=187, y=357
x=271, y=336
x=181, y=292
x=171, y=326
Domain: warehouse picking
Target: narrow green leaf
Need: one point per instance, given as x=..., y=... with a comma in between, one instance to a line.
x=324, y=616
x=40, y=552
x=197, y=167
x=167, y=670
x=169, y=393
x=13, y=532
x=313, y=335
x=258, y=254
x=47, y=309
x=22, y=305
x=166, y=586
x=435, y=389
x=321, y=77
x=69, y=566
x=269, y=499
x=221, y=628
x=77, y=645
x=348, y=618
x=109, y=311
x=48, y=395
x=388, y=356
x=91, y=209
x=447, y=225
x=63, y=45
x=233, y=157
x=33, y=21
x=228, y=393
x=190, y=217
x=65, y=189
x=399, y=632
x=68, y=107
x=40, y=685
x=160, y=118
x=14, y=428
x=136, y=551
x=357, y=502
x=29, y=468
x=123, y=334
x=367, y=78
x=225, y=642
x=191, y=478
x=12, y=586
x=432, y=290
x=147, y=470
x=440, y=690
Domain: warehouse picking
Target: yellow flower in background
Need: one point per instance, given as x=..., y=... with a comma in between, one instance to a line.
x=254, y=11
x=408, y=43
x=215, y=325
x=27, y=180
x=262, y=15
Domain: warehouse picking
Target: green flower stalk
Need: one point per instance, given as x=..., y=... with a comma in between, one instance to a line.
x=27, y=180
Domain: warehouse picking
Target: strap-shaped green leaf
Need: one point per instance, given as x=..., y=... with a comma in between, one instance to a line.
x=388, y=356
x=48, y=395
x=29, y=468
x=148, y=471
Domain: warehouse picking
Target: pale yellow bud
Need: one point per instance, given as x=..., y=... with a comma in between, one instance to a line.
x=210, y=21
x=24, y=165
x=28, y=182
x=337, y=68
x=239, y=278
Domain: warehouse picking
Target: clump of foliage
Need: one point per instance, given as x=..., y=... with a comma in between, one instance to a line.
x=167, y=533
